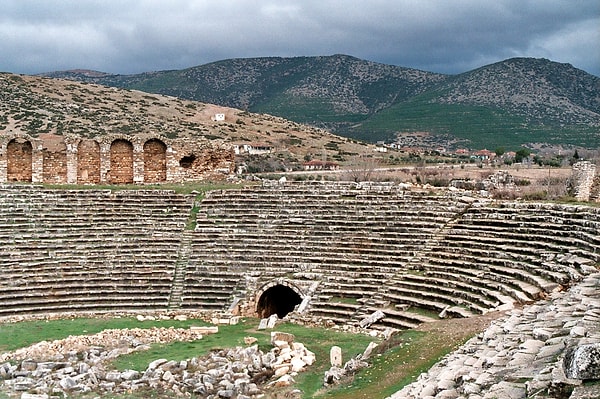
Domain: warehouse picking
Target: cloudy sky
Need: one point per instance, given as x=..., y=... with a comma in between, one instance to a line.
x=447, y=36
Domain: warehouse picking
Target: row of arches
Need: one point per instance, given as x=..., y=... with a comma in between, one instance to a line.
x=93, y=164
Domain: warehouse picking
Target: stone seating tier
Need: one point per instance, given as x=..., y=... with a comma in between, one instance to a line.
x=381, y=244
x=88, y=250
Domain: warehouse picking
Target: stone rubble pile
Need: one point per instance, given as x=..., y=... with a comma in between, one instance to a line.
x=121, y=341
x=71, y=367
x=545, y=350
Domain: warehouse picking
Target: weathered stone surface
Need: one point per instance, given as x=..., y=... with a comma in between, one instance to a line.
x=583, y=362
x=281, y=336
x=367, y=352
x=112, y=159
x=372, y=318
x=524, y=346
x=335, y=356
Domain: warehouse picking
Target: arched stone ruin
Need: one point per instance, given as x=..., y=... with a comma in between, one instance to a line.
x=278, y=298
x=112, y=159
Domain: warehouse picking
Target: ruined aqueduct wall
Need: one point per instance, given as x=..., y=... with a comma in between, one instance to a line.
x=114, y=159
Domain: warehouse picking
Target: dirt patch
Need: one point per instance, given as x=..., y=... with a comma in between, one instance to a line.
x=457, y=329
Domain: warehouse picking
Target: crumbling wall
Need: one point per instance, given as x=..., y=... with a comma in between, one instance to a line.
x=88, y=162
x=19, y=154
x=121, y=162
x=115, y=159
x=54, y=153
x=584, y=173
x=155, y=161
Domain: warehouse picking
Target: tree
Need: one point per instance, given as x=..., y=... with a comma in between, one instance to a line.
x=522, y=154
x=499, y=151
x=363, y=168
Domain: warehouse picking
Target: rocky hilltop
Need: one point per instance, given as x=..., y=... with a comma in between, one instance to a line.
x=538, y=89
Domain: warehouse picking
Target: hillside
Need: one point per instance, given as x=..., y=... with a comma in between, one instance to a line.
x=509, y=103
x=48, y=106
x=516, y=101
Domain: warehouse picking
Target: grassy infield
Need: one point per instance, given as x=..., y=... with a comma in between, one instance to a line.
x=398, y=365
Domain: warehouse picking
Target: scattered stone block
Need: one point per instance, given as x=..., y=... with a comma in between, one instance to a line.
x=272, y=320
x=204, y=330
x=282, y=336
x=263, y=324
x=26, y=395
x=374, y=317
x=335, y=356
x=367, y=353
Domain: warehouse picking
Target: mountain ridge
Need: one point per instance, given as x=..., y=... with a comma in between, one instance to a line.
x=517, y=101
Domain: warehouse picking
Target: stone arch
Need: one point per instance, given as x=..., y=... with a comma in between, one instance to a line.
x=278, y=297
x=88, y=162
x=155, y=161
x=121, y=162
x=19, y=157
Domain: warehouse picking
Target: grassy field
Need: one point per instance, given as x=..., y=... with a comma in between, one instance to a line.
x=396, y=362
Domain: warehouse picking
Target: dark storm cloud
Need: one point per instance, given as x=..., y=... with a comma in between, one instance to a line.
x=443, y=36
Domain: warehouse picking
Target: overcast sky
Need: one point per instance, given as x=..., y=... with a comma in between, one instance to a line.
x=447, y=36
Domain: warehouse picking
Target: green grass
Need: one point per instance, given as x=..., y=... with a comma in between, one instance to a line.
x=341, y=299
x=410, y=354
x=398, y=362
x=22, y=334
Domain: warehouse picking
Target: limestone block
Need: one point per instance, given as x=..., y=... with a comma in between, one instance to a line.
x=281, y=336
x=506, y=390
x=26, y=395
x=284, y=381
x=367, y=353
x=272, y=320
x=372, y=318
x=297, y=364
x=335, y=356
x=204, y=330
x=263, y=324
x=282, y=370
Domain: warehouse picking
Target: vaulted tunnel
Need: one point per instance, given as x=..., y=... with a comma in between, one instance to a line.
x=279, y=300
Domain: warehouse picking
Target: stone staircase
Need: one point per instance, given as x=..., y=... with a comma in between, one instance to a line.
x=183, y=257
x=419, y=259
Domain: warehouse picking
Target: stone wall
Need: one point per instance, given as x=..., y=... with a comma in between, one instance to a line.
x=584, y=173
x=113, y=159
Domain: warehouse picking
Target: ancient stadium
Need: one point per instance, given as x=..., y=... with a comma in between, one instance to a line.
x=332, y=253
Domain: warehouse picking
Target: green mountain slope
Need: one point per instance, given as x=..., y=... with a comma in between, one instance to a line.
x=509, y=103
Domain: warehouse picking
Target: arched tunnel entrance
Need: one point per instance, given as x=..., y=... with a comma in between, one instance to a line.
x=278, y=299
